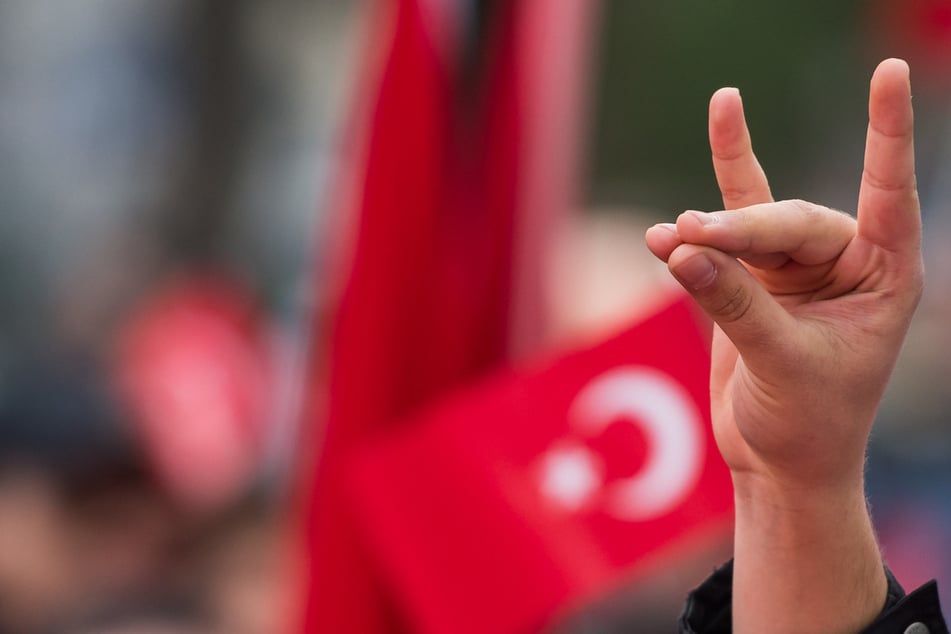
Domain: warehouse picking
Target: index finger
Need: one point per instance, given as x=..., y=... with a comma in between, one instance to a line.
x=888, y=211
x=740, y=177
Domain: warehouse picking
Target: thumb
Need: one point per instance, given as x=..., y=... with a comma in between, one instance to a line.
x=745, y=311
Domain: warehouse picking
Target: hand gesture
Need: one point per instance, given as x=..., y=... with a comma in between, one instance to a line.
x=811, y=307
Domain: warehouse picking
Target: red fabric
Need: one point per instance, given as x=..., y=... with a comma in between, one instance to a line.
x=434, y=522
x=920, y=31
x=455, y=507
x=425, y=305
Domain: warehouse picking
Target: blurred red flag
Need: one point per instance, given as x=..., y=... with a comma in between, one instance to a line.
x=920, y=31
x=193, y=363
x=501, y=507
x=469, y=157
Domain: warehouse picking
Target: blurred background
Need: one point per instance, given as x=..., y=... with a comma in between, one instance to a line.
x=169, y=223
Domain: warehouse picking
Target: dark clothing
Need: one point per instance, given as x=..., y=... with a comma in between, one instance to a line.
x=709, y=609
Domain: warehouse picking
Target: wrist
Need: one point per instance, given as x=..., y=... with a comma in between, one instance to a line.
x=794, y=497
x=801, y=546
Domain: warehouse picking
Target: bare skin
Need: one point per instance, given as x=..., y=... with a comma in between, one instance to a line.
x=811, y=308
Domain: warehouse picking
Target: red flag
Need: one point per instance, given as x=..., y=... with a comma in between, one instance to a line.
x=388, y=274
x=504, y=505
x=920, y=31
x=441, y=211
x=194, y=367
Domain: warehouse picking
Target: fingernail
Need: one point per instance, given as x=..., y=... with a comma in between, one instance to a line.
x=697, y=272
x=669, y=226
x=728, y=89
x=704, y=219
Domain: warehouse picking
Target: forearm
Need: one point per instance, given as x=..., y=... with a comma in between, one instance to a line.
x=805, y=560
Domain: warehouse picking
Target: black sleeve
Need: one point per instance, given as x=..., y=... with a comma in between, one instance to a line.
x=709, y=609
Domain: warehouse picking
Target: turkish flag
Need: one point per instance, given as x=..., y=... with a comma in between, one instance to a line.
x=466, y=156
x=501, y=506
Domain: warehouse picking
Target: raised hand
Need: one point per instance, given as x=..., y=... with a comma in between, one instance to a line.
x=811, y=308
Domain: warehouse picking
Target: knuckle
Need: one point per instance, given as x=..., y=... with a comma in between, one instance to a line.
x=813, y=215
x=897, y=130
x=733, y=306
x=890, y=184
x=805, y=208
x=734, y=193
